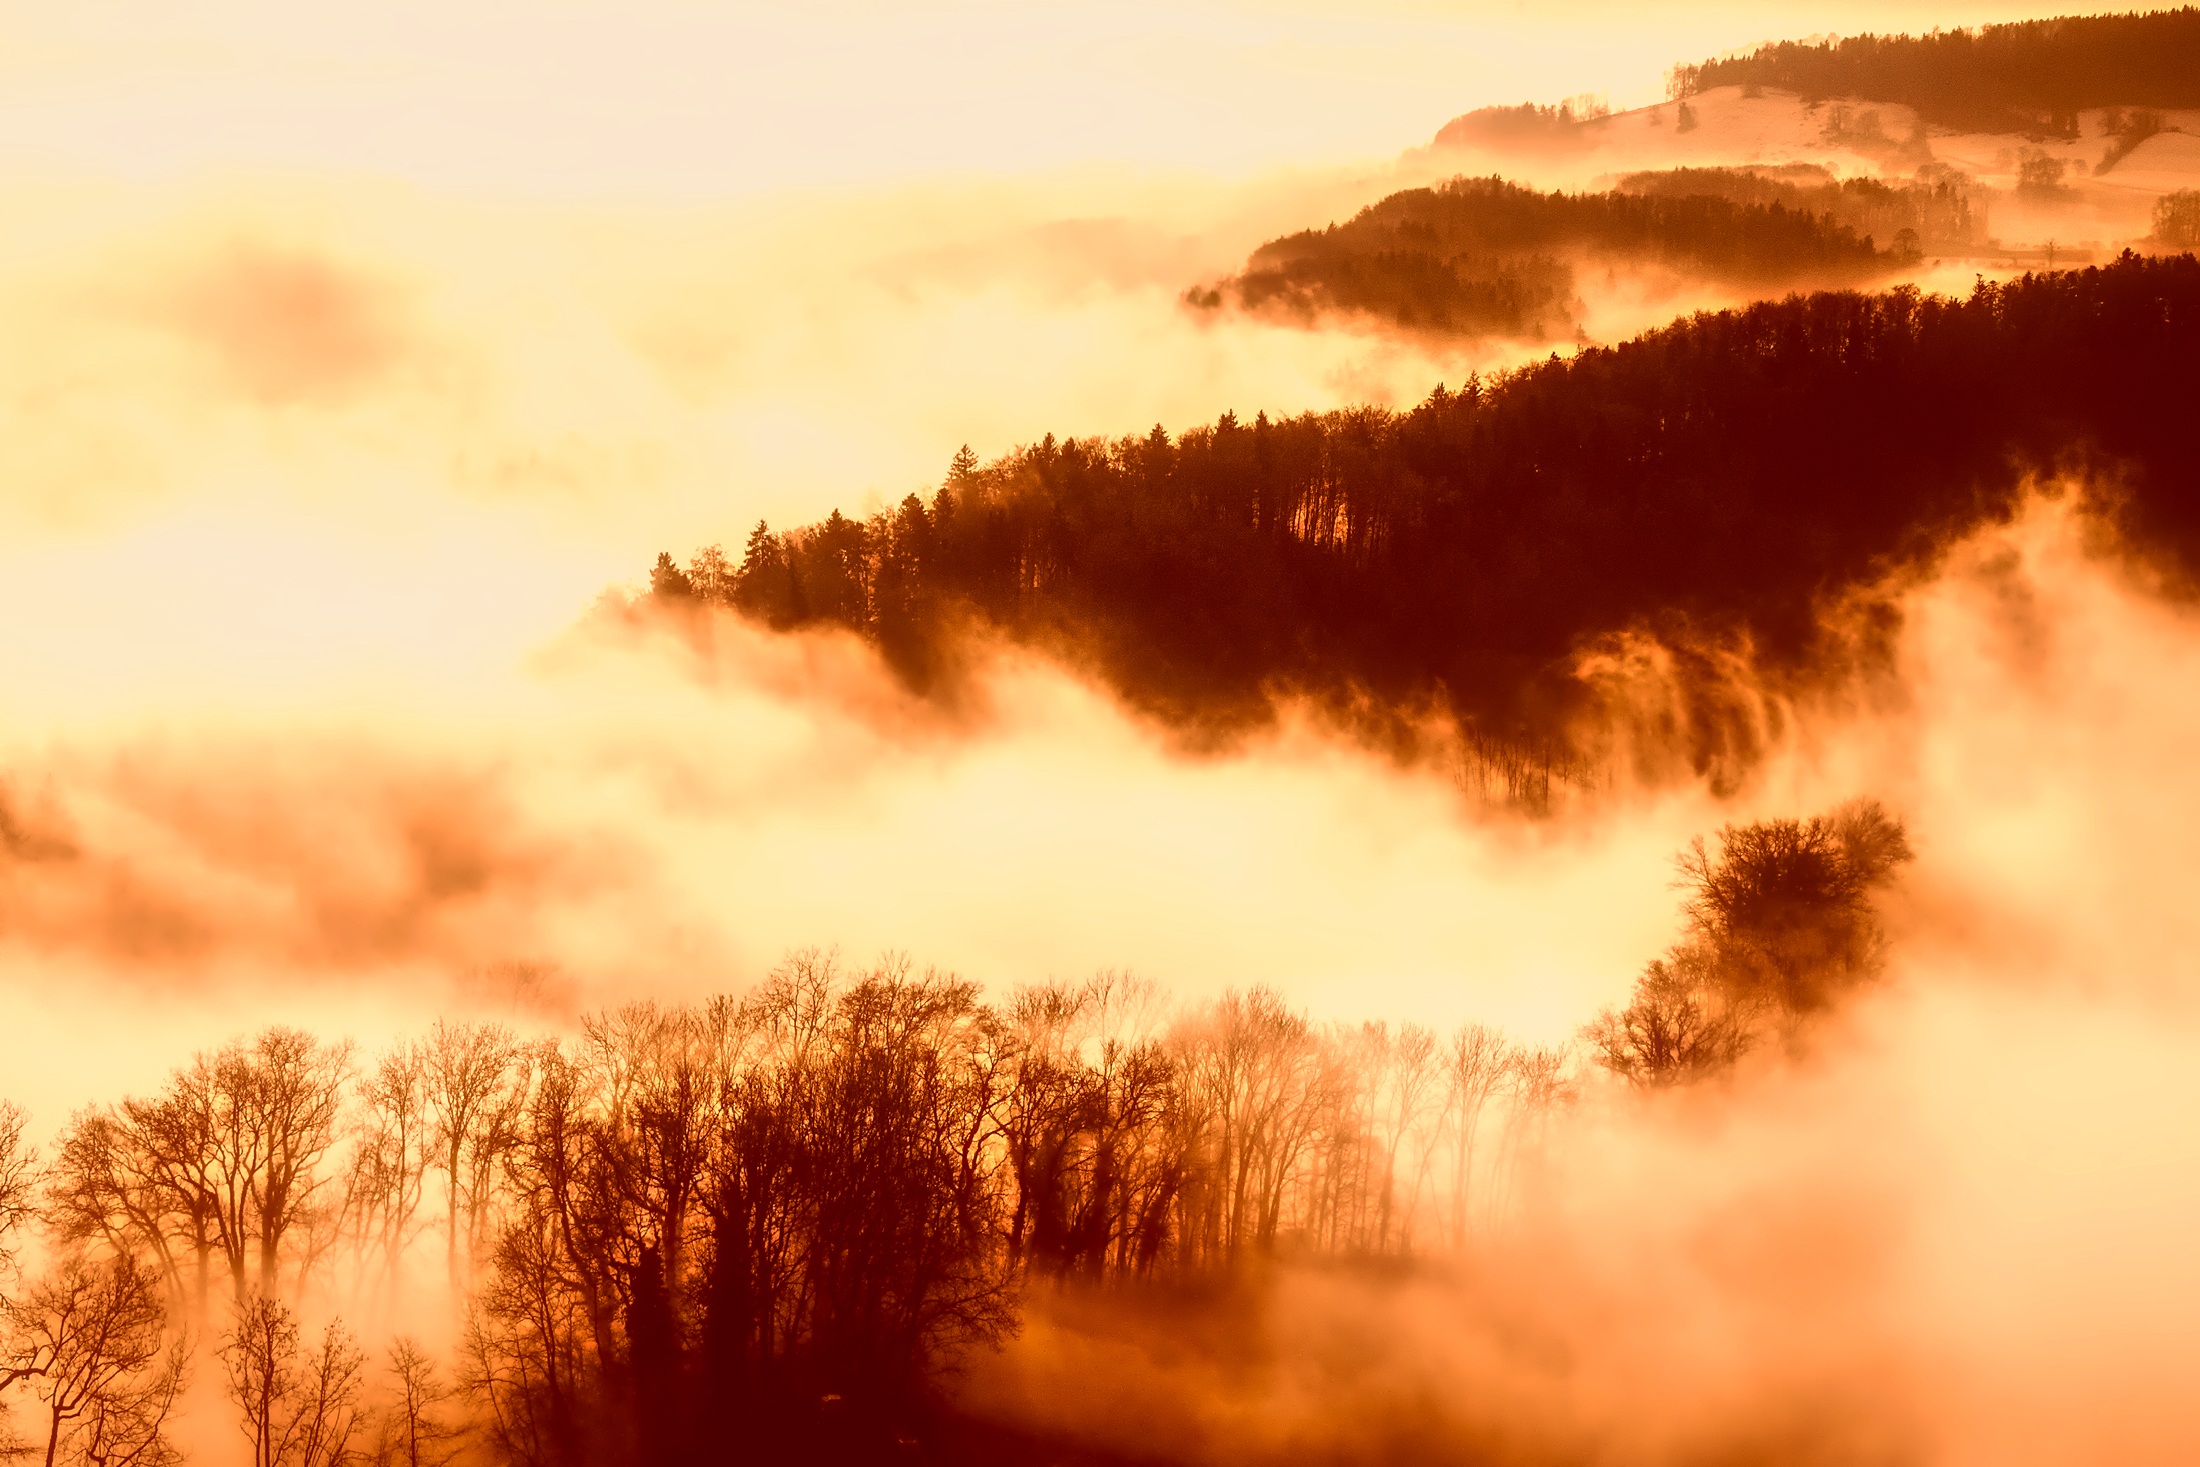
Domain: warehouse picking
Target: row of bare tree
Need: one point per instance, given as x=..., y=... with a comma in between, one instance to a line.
x=762, y=1224
x=98, y=1345
x=759, y=1219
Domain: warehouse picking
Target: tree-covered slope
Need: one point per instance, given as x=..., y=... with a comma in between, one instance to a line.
x=1481, y=256
x=1722, y=475
x=2030, y=76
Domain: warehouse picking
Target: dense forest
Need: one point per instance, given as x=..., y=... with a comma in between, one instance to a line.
x=761, y=1228
x=2031, y=76
x=1481, y=256
x=1717, y=480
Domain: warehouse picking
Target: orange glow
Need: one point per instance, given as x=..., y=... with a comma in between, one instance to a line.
x=359, y=359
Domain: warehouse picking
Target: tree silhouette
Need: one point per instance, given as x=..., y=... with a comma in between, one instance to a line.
x=19, y=1182
x=393, y=1148
x=297, y=1406
x=1781, y=926
x=413, y=1430
x=91, y=1342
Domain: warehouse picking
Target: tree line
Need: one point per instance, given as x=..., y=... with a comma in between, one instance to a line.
x=1528, y=127
x=1931, y=212
x=2177, y=219
x=1481, y=256
x=757, y=1225
x=762, y=1226
x=1712, y=485
x=2031, y=76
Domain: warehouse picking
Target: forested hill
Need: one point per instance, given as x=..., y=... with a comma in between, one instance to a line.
x=1481, y=256
x=1721, y=475
x=2031, y=76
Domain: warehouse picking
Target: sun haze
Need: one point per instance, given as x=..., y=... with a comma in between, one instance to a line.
x=1217, y=733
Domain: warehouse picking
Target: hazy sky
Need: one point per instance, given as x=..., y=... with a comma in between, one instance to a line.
x=320, y=427
x=658, y=95
x=353, y=350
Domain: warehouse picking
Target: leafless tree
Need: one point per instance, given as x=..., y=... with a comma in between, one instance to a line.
x=1537, y=1085
x=90, y=1343
x=413, y=1429
x=19, y=1181
x=394, y=1144
x=297, y=1406
x=1475, y=1066
x=290, y=1088
x=226, y=1161
x=1410, y=1072
x=142, y=1177
x=1784, y=907
x=1681, y=1025
x=1781, y=925
x=475, y=1090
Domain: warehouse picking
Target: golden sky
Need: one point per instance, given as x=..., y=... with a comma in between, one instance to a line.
x=668, y=96
x=353, y=352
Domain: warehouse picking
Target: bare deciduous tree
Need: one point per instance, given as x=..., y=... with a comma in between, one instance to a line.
x=1680, y=1026
x=394, y=1144
x=475, y=1091
x=413, y=1429
x=226, y=1161
x=1475, y=1066
x=297, y=1406
x=90, y=1343
x=19, y=1181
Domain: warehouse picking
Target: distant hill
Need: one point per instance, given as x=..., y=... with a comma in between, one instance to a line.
x=1721, y=477
x=2031, y=76
x=1527, y=128
x=1480, y=256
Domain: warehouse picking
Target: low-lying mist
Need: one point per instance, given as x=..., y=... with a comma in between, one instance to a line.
x=1948, y=1225
x=308, y=498
x=308, y=486
x=1945, y=1222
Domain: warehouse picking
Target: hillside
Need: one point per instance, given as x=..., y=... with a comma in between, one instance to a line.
x=1721, y=477
x=2031, y=76
x=1480, y=256
x=1932, y=212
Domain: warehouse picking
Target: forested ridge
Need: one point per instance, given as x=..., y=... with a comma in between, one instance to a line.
x=2030, y=76
x=1481, y=256
x=766, y=1227
x=1718, y=478
x=1932, y=212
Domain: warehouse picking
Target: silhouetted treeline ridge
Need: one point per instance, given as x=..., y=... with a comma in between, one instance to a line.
x=1930, y=212
x=1718, y=477
x=1480, y=256
x=2030, y=76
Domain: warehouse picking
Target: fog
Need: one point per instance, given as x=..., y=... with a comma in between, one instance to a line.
x=1950, y=1229
x=355, y=374
x=312, y=487
x=312, y=492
